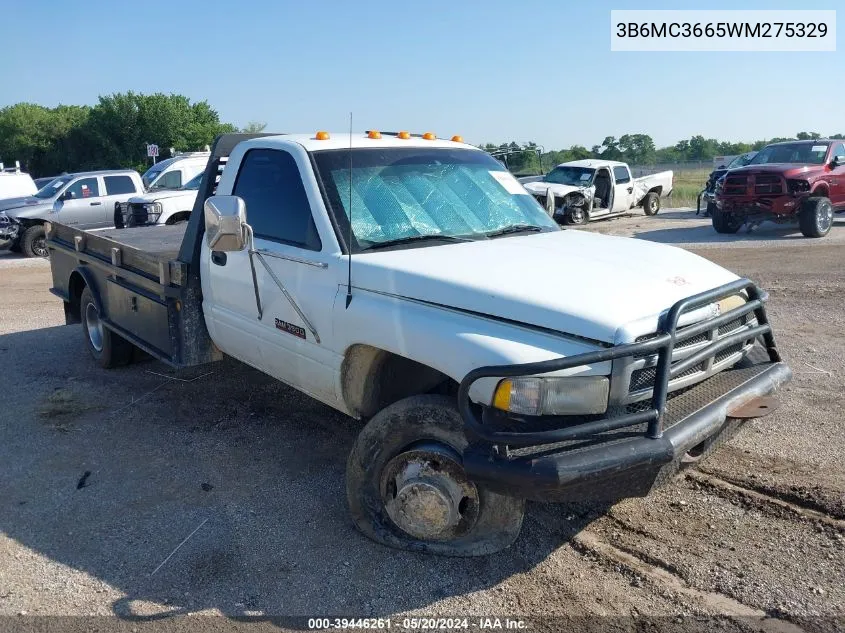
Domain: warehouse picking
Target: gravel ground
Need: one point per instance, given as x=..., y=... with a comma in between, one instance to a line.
x=106, y=473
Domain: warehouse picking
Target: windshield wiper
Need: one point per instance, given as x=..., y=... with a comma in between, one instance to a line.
x=515, y=228
x=418, y=238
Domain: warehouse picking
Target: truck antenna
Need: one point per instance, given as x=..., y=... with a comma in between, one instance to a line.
x=349, y=241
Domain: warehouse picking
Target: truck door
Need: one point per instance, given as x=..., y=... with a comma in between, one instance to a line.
x=836, y=178
x=294, y=284
x=623, y=189
x=81, y=204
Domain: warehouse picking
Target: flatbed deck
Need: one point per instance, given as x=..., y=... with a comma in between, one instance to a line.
x=159, y=242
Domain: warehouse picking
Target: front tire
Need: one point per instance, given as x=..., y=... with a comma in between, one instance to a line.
x=576, y=216
x=407, y=489
x=108, y=349
x=651, y=203
x=725, y=222
x=816, y=217
x=34, y=242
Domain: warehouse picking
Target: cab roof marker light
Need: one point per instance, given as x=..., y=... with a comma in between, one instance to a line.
x=457, y=138
x=430, y=136
x=403, y=135
x=322, y=136
x=373, y=134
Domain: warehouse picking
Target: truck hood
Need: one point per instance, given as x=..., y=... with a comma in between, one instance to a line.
x=166, y=194
x=609, y=289
x=23, y=201
x=31, y=208
x=788, y=170
x=540, y=188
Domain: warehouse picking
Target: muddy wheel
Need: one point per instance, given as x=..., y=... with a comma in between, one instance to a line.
x=725, y=222
x=577, y=216
x=407, y=488
x=34, y=242
x=107, y=348
x=651, y=203
x=815, y=217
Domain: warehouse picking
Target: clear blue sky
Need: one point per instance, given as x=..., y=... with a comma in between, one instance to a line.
x=490, y=70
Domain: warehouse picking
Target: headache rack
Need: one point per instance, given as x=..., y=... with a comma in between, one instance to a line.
x=567, y=428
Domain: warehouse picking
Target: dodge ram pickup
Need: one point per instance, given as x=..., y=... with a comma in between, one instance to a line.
x=784, y=182
x=413, y=283
x=583, y=190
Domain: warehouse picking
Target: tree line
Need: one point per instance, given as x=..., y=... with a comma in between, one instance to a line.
x=115, y=131
x=111, y=134
x=635, y=149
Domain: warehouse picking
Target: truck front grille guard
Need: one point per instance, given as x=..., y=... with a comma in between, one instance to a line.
x=662, y=344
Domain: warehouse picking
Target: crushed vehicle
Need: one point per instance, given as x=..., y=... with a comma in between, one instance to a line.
x=793, y=181
x=583, y=190
x=162, y=206
x=708, y=194
x=86, y=200
x=413, y=283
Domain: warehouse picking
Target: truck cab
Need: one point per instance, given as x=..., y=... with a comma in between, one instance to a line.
x=412, y=283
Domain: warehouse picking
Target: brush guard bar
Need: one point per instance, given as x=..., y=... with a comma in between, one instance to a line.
x=663, y=344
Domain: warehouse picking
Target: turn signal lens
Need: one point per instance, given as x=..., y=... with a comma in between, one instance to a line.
x=404, y=134
x=322, y=136
x=430, y=136
x=458, y=138
x=373, y=134
x=575, y=395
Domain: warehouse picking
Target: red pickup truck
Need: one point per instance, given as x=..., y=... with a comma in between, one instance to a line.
x=785, y=182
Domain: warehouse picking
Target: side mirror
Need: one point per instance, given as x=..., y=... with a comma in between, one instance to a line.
x=225, y=221
x=837, y=161
x=68, y=195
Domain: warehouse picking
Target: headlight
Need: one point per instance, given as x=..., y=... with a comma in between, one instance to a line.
x=797, y=186
x=566, y=395
x=153, y=207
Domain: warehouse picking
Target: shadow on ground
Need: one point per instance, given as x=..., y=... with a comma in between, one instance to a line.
x=768, y=231
x=253, y=467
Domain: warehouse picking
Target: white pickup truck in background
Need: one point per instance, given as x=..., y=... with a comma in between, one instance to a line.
x=413, y=283
x=583, y=190
x=163, y=206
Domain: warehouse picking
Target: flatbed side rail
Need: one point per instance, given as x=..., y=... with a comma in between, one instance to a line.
x=664, y=343
x=158, y=278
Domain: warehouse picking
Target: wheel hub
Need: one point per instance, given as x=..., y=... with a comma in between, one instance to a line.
x=94, y=326
x=39, y=247
x=825, y=219
x=427, y=495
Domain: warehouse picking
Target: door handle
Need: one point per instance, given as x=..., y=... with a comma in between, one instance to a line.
x=630, y=189
x=218, y=257
x=96, y=204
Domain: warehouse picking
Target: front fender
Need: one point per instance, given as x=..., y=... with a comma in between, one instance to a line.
x=452, y=341
x=31, y=212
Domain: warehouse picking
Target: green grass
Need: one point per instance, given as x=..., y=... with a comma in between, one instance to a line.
x=688, y=184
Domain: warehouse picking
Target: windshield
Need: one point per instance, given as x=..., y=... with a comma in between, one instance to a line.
x=574, y=176
x=404, y=193
x=150, y=175
x=806, y=153
x=742, y=160
x=52, y=188
x=193, y=183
